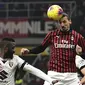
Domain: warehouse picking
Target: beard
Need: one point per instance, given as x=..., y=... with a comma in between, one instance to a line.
x=64, y=29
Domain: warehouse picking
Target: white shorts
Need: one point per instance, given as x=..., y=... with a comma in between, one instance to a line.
x=64, y=78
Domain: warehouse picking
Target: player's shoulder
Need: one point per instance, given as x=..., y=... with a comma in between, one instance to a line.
x=54, y=32
x=16, y=56
x=76, y=33
x=78, y=58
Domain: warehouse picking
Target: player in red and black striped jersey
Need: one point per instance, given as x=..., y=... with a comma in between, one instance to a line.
x=62, y=43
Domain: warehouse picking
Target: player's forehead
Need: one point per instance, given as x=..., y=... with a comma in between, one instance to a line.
x=65, y=18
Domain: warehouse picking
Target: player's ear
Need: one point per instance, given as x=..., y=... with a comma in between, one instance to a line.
x=70, y=21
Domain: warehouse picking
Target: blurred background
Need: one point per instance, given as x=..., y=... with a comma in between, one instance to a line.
x=27, y=23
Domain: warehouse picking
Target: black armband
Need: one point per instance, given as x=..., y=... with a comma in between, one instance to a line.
x=22, y=65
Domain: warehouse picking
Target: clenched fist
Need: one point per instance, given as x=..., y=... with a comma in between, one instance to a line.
x=24, y=52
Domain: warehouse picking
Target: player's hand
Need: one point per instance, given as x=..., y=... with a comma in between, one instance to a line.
x=24, y=52
x=54, y=82
x=78, y=49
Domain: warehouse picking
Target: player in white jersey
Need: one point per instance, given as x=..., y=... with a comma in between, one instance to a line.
x=9, y=62
x=80, y=64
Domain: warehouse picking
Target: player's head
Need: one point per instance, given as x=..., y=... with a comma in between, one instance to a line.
x=65, y=22
x=8, y=39
x=7, y=46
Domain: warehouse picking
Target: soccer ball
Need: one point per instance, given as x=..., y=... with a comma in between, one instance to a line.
x=54, y=12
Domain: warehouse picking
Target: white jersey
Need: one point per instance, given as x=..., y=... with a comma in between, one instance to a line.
x=8, y=69
x=80, y=63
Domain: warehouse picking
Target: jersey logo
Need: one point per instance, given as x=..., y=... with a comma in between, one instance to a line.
x=10, y=64
x=72, y=38
x=3, y=75
x=64, y=46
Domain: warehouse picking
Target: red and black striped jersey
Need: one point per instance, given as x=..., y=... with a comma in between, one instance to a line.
x=62, y=49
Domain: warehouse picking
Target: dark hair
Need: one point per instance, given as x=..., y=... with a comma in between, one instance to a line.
x=65, y=14
x=8, y=39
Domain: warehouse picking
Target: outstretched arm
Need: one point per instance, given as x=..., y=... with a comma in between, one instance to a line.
x=33, y=70
x=38, y=73
x=46, y=42
x=36, y=50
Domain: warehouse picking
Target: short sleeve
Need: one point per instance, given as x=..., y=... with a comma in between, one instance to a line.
x=19, y=61
x=79, y=62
